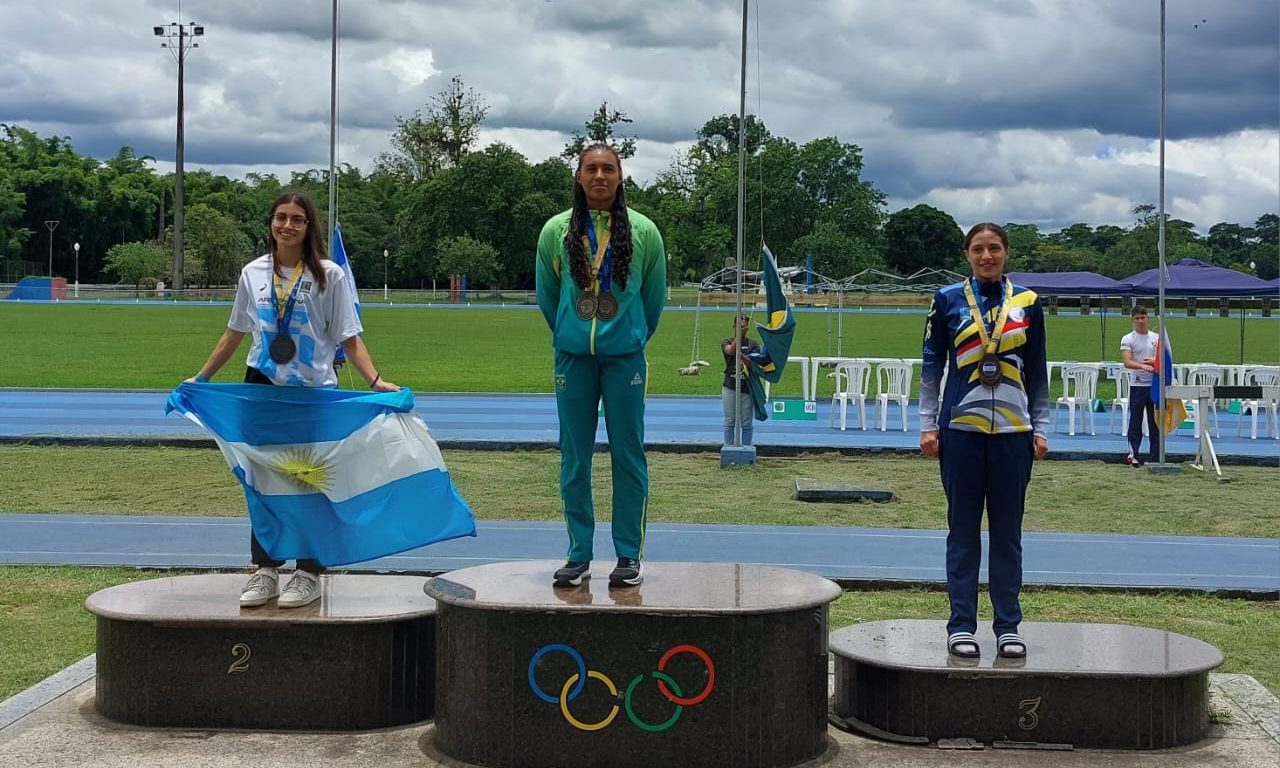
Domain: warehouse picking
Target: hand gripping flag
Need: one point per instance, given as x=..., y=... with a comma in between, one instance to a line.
x=339, y=257
x=1171, y=410
x=335, y=475
x=775, y=338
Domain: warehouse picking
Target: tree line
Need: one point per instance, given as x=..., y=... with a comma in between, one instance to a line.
x=440, y=204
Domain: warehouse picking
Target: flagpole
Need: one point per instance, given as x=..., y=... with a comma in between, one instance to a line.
x=1164, y=339
x=741, y=247
x=333, y=123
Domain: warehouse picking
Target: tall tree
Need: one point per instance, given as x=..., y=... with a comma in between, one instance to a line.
x=600, y=128
x=920, y=237
x=425, y=143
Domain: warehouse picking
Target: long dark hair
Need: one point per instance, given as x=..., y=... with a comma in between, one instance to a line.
x=986, y=226
x=619, y=229
x=313, y=251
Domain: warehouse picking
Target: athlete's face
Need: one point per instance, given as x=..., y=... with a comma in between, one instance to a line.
x=987, y=255
x=600, y=175
x=289, y=224
x=1141, y=323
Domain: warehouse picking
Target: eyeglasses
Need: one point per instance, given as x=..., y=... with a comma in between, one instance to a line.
x=283, y=218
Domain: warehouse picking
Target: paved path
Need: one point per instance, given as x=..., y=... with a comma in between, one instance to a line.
x=529, y=420
x=843, y=554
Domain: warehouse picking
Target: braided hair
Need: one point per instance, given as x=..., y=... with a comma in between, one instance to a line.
x=619, y=229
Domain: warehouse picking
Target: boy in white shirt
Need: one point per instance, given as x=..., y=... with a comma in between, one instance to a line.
x=1139, y=353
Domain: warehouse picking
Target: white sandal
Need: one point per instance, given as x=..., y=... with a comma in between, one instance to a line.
x=963, y=644
x=1011, y=646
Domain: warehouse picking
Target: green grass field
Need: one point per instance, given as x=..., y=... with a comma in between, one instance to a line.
x=509, y=350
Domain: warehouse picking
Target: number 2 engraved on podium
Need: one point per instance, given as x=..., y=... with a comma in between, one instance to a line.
x=1030, y=719
x=241, y=652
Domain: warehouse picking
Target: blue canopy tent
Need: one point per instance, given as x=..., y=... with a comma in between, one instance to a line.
x=1075, y=284
x=1192, y=277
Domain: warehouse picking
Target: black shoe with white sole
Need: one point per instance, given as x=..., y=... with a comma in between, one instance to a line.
x=572, y=573
x=627, y=574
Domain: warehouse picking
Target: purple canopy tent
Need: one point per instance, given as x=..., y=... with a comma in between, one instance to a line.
x=1071, y=283
x=1075, y=284
x=1191, y=277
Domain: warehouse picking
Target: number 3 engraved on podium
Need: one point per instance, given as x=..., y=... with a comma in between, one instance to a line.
x=241, y=652
x=1030, y=719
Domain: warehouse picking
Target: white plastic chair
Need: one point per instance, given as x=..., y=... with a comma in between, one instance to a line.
x=1260, y=377
x=1124, y=380
x=852, y=378
x=1079, y=388
x=1206, y=375
x=893, y=383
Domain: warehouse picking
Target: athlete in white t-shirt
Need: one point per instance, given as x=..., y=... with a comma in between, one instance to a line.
x=298, y=307
x=1139, y=353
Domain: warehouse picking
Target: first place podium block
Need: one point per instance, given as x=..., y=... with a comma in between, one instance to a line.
x=182, y=652
x=704, y=664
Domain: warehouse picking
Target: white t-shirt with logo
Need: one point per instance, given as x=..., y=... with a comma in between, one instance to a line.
x=319, y=323
x=1142, y=348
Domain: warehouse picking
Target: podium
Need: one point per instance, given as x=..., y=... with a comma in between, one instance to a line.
x=1101, y=686
x=704, y=664
x=181, y=652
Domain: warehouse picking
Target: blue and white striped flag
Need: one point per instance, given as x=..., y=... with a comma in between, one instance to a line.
x=339, y=257
x=335, y=475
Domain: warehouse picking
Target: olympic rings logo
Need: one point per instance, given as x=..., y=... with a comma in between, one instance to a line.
x=668, y=687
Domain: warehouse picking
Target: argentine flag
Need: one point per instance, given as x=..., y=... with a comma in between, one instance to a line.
x=335, y=475
x=339, y=257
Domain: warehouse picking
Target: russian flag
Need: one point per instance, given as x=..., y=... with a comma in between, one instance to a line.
x=1173, y=411
x=339, y=257
x=335, y=475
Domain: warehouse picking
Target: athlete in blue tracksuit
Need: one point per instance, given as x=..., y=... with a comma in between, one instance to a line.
x=985, y=337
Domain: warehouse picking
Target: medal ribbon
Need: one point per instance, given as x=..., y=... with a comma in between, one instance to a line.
x=990, y=339
x=285, y=314
x=602, y=268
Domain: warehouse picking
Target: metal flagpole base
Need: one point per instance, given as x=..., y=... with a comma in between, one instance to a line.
x=737, y=456
x=1165, y=469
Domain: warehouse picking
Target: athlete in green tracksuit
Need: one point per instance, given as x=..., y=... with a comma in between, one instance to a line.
x=601, y=279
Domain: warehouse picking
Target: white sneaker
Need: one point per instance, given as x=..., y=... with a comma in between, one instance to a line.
x=302, y=589
x=263, y=585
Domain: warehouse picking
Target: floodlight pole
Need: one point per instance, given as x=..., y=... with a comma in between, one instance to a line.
x=179, y=39
x=76, y=247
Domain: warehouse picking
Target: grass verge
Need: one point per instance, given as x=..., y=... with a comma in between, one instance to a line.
x=1084, y=496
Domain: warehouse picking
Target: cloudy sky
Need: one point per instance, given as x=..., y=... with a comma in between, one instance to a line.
x=1040, y=111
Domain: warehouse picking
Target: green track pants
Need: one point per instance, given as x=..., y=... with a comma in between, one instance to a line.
x=581, y=382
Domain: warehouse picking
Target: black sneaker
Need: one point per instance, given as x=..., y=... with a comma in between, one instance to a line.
x=627, y=574
x=572, y=573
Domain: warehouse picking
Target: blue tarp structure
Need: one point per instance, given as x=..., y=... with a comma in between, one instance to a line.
x=33, y=289
x=1070, y=284
x=1192, y=277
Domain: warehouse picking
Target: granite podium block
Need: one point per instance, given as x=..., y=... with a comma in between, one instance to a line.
x=704, y=664
x=181, y=652
x=1099, y=686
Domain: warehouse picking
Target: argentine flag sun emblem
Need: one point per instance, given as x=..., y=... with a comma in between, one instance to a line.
x=334, y=475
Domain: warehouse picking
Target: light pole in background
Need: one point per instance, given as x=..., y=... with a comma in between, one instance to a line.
x=51, y=224
x=76, y=247
x=385, y=254
x=179, y=39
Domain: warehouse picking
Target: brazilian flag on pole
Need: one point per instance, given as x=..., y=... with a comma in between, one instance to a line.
x=775, y=337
